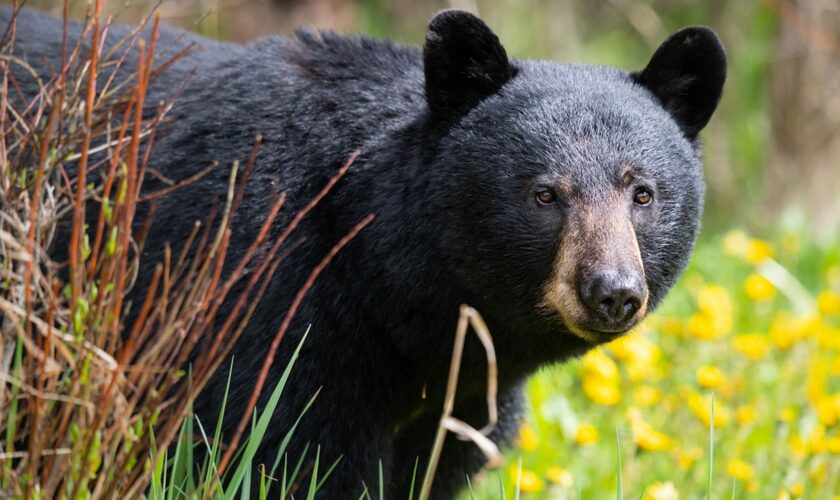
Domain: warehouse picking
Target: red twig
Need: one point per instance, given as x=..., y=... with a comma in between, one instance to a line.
x=278, y=337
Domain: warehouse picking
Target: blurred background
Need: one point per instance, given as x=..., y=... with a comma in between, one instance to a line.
x=744, y=356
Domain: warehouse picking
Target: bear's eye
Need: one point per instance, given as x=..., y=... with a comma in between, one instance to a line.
x=642, y=197
x=546, y=197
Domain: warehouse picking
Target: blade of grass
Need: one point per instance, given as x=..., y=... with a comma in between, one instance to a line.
x=327, y=475
x=281, y=450
x=313, y=479
x=518, y=479
x=264, y=420
x=469, y=487
x=381, y=482
x=414, y=479
x=245, y=492
x=620, y=493
x=182, y=461
x=502, y=494
x=296, y=471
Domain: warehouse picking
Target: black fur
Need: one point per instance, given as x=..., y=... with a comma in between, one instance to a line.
x=453, y=141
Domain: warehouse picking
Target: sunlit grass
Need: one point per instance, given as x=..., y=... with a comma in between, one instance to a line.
x=742, y=362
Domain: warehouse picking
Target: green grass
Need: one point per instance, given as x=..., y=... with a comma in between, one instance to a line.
x=175, y=477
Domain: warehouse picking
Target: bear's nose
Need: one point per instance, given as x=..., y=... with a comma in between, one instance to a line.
x=612, y=298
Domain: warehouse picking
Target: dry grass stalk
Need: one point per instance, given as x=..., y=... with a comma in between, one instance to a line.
x=468, y=317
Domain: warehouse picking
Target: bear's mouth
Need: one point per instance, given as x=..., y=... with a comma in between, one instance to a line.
x=595, y=336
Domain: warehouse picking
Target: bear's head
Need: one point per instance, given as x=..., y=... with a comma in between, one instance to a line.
x=575, y=191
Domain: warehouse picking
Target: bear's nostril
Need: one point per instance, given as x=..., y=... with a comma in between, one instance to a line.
x=631, y=305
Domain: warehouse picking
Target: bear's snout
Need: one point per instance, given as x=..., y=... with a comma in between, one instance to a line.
x=612, y=299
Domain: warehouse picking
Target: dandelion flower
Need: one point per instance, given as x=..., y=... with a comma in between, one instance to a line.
x=758, y=251
x=586, y=434
x=686, y=458
x=788, y=414
x=597, y=364
x=646, y=395
x=745, y=414
x=758, y=288
x=601, y=392
x=701, y=407
x=710, y=377
x=528, y=440
x=530, y=482
x=740, y=470
x=648, y=439
x=828, y=302
x=559, y=475
x=752, y=345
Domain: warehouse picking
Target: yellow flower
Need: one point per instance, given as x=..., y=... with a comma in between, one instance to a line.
x=816, y=381
x=661, y=491
x=714, y=299
x=647, y=438
x=828, y=302
x=528, y=481
x=646, y=395
x=528, y=440
x=816, y=442
x=758, y=288
x=833, y=445
x=715, y=313
x=797, y=489
x=740, y=470
x=686, y=458
x=559, y=475
x=829, y=338
x=710, y=377
x=597, y=364
x=636, y=349
x=735, y=243
x=828, y=410
x=788, y=414
x=745, y=414
x=601, y=392
x=701, y=407
x=752, y=345
x=798, y=447
x=757, y=251
x=586, y=434
x=704, y=327
x=786, y=330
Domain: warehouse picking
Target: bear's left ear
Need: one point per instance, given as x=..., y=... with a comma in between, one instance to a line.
x=463, y=62
x=687, y=73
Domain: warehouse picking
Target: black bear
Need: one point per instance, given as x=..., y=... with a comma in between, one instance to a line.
x=561, y=201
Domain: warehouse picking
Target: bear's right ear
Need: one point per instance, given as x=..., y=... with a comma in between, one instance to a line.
x=687, y=73
x=463, y=62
